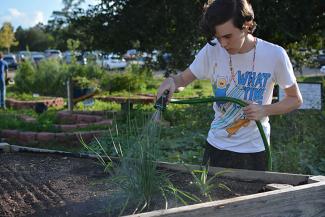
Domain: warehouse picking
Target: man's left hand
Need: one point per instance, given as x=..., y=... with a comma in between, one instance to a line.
x=254, y=111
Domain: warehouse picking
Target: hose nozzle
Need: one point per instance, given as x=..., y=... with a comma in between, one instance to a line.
x=161, y=103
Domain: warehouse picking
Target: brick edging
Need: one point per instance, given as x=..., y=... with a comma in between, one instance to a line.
x=19, y=104
x=63, y=138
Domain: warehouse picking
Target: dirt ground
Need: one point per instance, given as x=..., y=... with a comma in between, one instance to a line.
x=50, y=185
x=55, y=185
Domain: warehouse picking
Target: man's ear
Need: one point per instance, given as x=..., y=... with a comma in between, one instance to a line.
x=248, y=26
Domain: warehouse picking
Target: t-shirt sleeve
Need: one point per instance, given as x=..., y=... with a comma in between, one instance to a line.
x=284, y=74
x=200, y=65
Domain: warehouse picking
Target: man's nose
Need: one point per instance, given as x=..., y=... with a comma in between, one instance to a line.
x=223, y=43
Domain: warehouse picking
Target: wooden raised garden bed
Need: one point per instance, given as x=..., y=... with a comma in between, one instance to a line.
x=291, y=195
x=76, y=191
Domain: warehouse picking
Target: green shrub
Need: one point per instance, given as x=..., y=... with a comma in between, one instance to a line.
x=139, y=70
x=50, y=76
x=50, y=79
x=122, y=82
x=25, y=77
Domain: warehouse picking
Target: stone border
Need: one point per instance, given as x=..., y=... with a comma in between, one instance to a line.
x=80, y=120
x=66, y=137
x=50, y=102
x=69, y=139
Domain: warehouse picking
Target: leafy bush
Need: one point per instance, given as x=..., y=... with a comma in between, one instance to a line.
x=139, y=70
x=122, y=82
x=25, y=77
x=49, y=78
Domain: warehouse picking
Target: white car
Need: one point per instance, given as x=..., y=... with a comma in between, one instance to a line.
x=53, y=54
x=322, y=69
x=113, y=62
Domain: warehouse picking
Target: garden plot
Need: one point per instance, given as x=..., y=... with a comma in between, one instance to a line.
x=57, y=185
x=61, y=128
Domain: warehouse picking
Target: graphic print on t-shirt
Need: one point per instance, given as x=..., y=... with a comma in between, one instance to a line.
x=248, y=86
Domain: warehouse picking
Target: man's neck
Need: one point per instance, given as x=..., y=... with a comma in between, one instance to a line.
x=248, y=45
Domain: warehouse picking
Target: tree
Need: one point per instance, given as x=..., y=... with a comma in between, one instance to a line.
x=35, y=38
x=172, y=26
x=169, y=26
x=7, y=36
x=288, y=21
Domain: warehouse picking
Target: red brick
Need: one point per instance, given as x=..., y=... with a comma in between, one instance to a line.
x=97, y=133
x=85, y=119
x=86, y=136
x=67, y=127
x=103, y=123
x=67, y=118
x=10, y=134
x=82, y=125
x=65, y=137
x=27, y=137
x=45, y=137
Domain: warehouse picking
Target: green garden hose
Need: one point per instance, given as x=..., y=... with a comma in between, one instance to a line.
x=240, y=103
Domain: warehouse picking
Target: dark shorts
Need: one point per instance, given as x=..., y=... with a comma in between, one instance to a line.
x=228, y=159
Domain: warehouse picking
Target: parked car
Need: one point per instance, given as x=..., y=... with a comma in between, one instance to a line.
x=23, y=55
x=138, y=61
x=79, y=58
x=322, y=69
x=37, y=57
x=11, y=61
x=321, y=59
x=131, y=54
x=113, y=61
x=53, y=53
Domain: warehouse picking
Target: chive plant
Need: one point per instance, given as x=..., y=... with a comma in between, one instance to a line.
x=140, y=184
x=205, y=184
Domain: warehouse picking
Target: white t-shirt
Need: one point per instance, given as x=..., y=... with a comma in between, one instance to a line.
x=230, y=130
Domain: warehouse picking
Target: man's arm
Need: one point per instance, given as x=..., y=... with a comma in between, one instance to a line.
x=175, y=82
x=291, y=101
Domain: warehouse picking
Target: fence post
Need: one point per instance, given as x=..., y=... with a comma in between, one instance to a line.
x=70, y=95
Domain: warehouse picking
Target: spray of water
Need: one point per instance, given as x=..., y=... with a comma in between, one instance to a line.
x=156, y=116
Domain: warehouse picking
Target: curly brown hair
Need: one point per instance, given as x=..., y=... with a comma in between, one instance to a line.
x=218, y=12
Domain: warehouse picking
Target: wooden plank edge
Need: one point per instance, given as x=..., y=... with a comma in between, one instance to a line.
x=237, y=206
x=245, y=175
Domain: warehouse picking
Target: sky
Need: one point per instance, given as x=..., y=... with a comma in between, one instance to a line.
x=28, y=13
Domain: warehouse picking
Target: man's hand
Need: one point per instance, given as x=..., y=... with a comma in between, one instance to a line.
x=254, y=111
x=175, y=83
x=168, y=84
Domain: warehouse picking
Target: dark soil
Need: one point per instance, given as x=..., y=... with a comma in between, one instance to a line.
x=54, y=185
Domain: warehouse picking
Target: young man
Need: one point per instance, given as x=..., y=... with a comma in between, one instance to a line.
x=3, y=77
x=241, y=66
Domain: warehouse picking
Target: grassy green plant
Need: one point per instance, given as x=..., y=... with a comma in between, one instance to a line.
x=297, y=142
x=11, y=120
x=135, y=173
x=205, y=184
